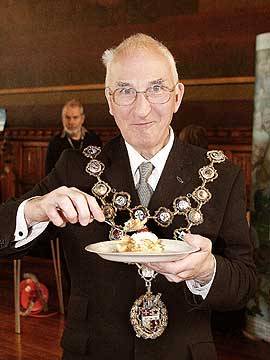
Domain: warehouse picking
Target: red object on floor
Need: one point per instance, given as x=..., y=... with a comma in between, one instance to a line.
x=34, y=295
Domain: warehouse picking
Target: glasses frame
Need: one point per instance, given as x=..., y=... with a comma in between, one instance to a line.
x=112, y=94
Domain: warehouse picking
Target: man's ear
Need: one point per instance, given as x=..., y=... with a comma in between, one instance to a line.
x=179, y=93
x=109, y=100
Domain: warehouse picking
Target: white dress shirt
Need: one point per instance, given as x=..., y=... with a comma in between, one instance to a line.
x=24, y=235
x=159, y=161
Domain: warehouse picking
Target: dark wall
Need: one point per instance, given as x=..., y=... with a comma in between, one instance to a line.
x=48, y=43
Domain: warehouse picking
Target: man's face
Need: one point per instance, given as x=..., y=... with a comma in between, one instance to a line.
x=72, y=120
x=143, y=125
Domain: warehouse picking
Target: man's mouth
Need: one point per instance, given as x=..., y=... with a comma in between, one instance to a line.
x=144, y=124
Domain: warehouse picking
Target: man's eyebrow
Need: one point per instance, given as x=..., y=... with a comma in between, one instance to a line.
x=122, y=83
x=158, y=81
x=153, y=82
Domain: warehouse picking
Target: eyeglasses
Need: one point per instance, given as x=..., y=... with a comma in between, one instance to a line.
x=156, y=94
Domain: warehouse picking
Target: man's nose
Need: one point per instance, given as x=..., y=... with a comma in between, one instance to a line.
x=72, y=120
x=142, y=105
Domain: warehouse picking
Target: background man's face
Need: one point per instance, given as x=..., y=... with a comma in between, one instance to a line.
x=143, y=125
x=72, y=120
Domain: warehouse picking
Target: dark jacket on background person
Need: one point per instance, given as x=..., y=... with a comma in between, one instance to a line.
x=103, y=292
x=60, y=142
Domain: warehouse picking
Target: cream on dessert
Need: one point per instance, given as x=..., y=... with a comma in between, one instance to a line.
x=144, y=241
x=134, y=225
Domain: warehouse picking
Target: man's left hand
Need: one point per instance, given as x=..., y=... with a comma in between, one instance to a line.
x=197, y=266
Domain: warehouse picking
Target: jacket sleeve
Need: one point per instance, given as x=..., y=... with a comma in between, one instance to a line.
x=235, y=279
x=8, y=210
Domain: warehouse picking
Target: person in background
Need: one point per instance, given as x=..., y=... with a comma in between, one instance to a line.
x=112, y=308
x=74, y=135
x=195, y=135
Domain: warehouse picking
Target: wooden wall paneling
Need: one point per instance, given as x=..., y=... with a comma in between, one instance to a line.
x=239, y=154
x=32, y=163
x=29, y=148
x=9, y=163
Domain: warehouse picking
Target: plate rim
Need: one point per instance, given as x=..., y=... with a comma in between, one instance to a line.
x=141, y=254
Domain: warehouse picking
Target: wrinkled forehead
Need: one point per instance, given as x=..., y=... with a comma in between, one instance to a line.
x=140, y=68
x=71, y=110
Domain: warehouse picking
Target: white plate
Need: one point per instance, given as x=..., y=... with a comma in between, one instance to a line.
x=173, y=250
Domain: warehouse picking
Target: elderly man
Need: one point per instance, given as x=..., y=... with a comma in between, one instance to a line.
x=179, y=190
x=73, y=136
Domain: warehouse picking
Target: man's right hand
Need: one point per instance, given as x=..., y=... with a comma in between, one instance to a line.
x=63, y=205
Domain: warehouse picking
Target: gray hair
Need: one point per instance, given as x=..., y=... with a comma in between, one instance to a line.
x=73, y=104
x=135, y=42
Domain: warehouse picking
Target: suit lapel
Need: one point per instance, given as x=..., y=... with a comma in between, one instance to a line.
x=118, y=171
x=176, y=177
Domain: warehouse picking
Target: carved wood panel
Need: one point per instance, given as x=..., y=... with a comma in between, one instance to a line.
x=240, y=155
x=31, y=164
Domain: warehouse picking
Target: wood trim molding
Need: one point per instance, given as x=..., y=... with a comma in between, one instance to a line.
x=49, y=89
x=219, y=81
x=94, y=87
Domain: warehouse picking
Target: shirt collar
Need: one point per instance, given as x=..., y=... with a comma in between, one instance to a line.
x=158, y=160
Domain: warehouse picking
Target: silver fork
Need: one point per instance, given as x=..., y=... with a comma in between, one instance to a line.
x=109, y=222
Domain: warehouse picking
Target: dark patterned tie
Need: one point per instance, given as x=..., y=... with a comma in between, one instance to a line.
x=143, y=188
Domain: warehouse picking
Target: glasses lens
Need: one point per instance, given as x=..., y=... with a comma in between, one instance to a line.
x=124, y=96
x=158, y=94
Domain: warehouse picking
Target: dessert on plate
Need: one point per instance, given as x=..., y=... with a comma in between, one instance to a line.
x=134, y=225
x=142, y=241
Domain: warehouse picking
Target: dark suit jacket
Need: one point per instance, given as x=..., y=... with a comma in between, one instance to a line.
x=59, y=143
x=102, y=292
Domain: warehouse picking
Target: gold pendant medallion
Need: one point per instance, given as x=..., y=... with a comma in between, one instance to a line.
x=149, y=316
